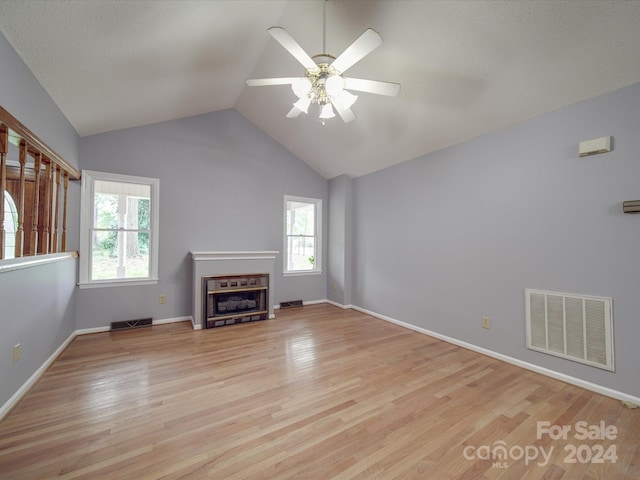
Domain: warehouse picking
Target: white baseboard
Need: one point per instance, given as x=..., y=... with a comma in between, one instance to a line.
x=339, y=305
x=624, y=397
x=16, y=397
x=164, y=321
x=314, y=302
x=87, y=331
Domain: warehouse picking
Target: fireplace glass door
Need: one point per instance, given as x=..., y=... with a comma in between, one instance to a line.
x=232, y=299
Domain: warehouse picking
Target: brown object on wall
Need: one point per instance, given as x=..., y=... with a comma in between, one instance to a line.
x=631, y=206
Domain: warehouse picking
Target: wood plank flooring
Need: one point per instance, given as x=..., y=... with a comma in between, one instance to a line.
x=317, y=393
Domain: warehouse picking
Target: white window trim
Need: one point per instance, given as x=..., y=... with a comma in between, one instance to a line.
x=317, y=264
x=86, y=216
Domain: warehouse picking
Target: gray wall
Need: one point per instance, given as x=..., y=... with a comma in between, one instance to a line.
x=24, y=98
x=222, y=187
x=37, y=304
x=444, y=239
x=339, y=239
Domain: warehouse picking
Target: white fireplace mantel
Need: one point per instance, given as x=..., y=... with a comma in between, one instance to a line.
x=205, y=256
x=229, y=263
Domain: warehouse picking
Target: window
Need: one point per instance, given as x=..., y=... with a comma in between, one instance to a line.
x=119, y=230
x=303, y=234
x=10, y=226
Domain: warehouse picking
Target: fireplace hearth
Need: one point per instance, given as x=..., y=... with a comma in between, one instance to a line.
x=231, y=299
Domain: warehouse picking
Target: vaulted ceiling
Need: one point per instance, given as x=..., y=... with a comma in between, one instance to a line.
x=467, y=67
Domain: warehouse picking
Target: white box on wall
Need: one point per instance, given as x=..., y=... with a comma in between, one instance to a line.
x=595, y=146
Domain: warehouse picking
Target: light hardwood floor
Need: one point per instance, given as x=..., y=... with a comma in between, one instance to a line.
x=317, y=393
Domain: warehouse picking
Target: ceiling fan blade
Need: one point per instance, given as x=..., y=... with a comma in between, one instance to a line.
x=294, y=112
x=389, y=89
x=292, y=47
x=345, y=113
x=363, y=46
x=263, y=82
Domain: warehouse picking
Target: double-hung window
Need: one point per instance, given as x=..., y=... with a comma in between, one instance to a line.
x=119, y=230
x=303, y=234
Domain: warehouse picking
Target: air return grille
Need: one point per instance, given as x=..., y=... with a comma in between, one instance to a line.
x=575, y=327
x=291, y=304
x=127, y=324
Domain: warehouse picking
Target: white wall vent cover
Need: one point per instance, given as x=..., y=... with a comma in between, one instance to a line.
x=575, y=327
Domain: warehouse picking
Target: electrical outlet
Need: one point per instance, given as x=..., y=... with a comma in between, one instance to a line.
x=486, y=322
x=16, y=353
x=334, y=286
x=163, y=299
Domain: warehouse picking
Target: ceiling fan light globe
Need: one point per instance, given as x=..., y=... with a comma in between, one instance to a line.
x=301, y=87
x=334, y=85
x=303, y=104
x=347, y=98
x=327, y=111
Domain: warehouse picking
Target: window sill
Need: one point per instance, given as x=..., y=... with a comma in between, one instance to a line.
x=10, y=264
x=303, y=273
x=119, y=283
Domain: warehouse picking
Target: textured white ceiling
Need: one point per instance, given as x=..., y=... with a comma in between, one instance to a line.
x=467, y=67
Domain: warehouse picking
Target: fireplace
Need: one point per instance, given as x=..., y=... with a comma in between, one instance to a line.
x=228, y=263
x=231, y=299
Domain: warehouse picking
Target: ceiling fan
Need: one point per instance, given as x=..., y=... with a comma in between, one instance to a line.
x=323, y=82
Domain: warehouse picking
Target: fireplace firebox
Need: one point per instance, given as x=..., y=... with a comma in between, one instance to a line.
x=231, y=299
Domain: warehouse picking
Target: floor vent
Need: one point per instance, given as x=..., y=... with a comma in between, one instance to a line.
x=128, y=324
x=575, y=327
x=291, y=304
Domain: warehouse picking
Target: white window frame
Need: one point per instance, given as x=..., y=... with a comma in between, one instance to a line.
x=317, y=263
x=86, y=211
